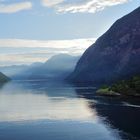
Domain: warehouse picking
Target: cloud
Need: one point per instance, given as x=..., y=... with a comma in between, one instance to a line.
x=46, y=43
x=81, y=6
x=20, y=51
x=61, y=6
x=16, y=7
x=50, y=3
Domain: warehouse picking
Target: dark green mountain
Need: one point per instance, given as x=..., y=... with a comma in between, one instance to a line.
x=3, y=78
x=114, y=56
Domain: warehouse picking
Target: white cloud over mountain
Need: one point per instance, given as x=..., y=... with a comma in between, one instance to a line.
x=46, y=43
x=19, y=51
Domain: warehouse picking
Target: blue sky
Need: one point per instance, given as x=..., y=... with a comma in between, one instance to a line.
x=48, y=27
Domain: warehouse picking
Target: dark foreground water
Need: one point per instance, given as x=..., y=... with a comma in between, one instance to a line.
x=37, y=110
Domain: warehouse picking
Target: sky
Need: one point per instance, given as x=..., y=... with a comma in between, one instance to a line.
x=34, y=30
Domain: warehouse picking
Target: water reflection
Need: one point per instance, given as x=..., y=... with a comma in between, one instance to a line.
x=119, y=113
x=56, y=107
x=32, y=101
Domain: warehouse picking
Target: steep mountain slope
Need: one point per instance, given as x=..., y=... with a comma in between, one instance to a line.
x=114, y=56
x=3, y=78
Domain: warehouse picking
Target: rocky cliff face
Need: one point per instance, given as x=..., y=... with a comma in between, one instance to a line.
x=114, y=56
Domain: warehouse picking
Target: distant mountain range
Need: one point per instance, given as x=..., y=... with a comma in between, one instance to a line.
x=114, y=56
x=13, y=70
x=3, y=78
x=57, y=67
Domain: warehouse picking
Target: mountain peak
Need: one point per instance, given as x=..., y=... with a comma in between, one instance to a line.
x=115, y=55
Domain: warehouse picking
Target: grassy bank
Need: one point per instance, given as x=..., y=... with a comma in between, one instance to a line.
x=129, y=87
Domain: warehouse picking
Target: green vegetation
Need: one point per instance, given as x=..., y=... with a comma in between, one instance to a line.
x=124, y=87
x=106, y=91
x=127, y=87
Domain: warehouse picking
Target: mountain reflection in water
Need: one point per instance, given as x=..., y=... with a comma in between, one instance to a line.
x=62, y=111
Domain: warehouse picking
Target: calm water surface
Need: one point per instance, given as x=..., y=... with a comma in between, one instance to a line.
x=37, y=110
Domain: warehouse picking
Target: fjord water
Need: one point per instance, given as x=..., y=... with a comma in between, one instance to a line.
x=38, y=110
